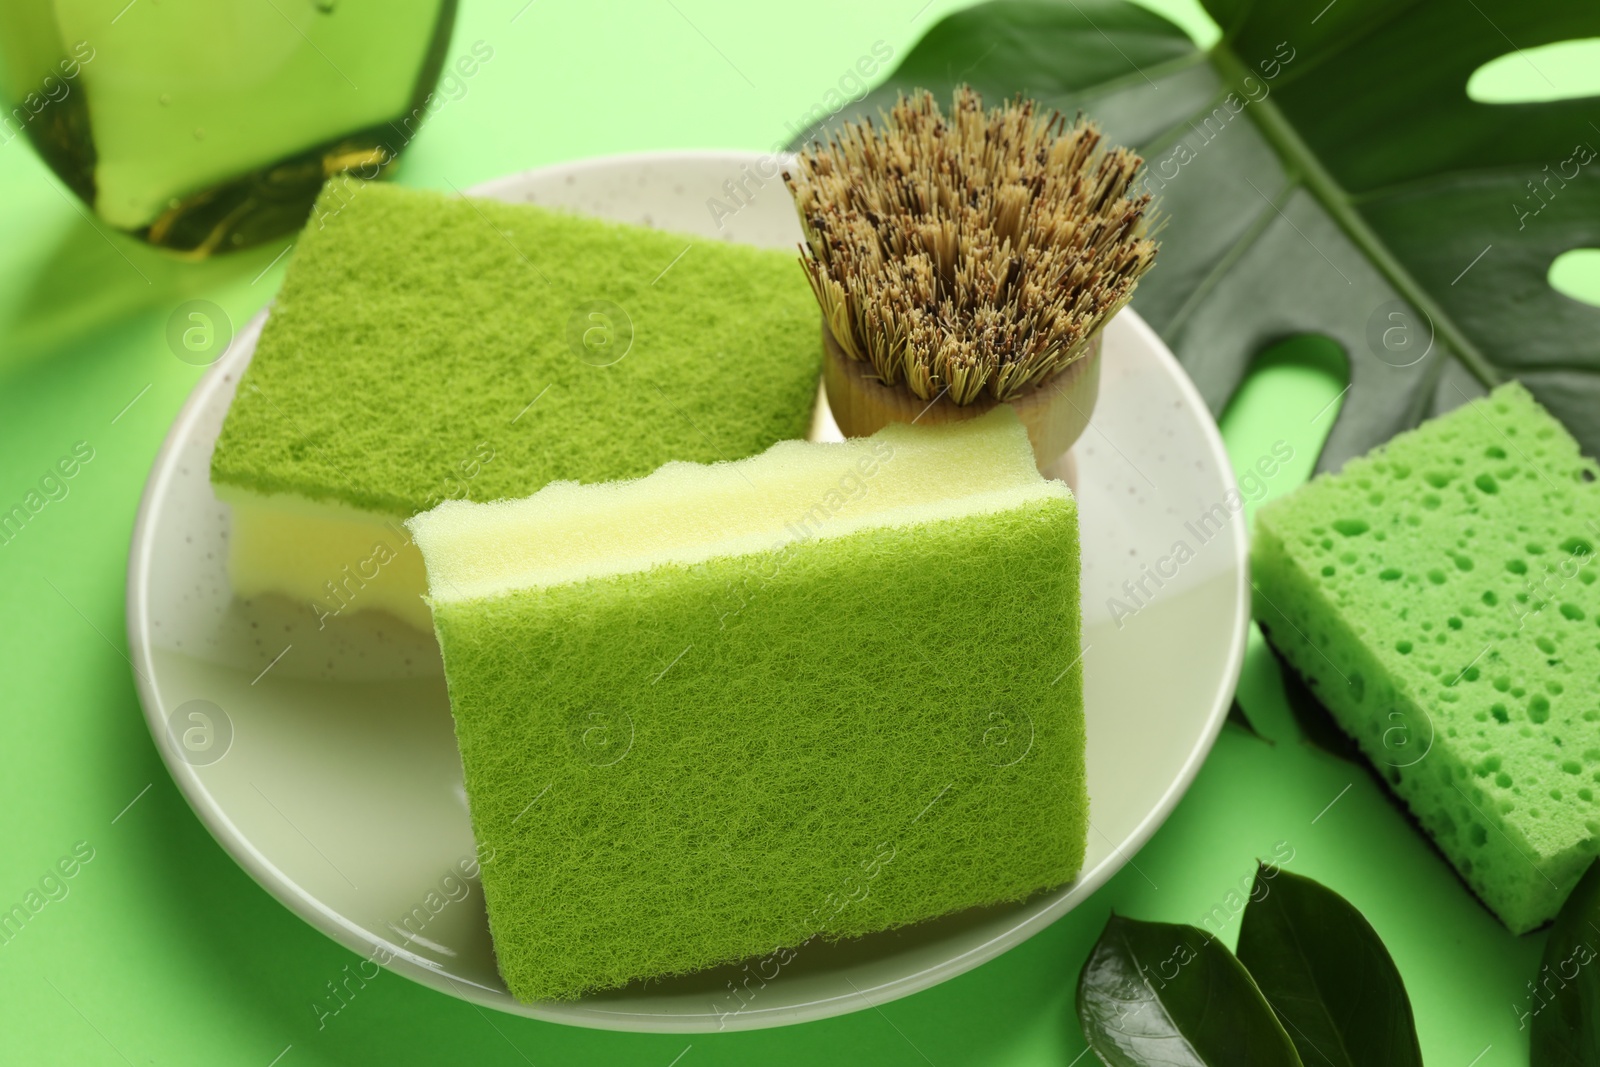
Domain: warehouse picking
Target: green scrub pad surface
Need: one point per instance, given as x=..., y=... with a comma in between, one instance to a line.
x=1439, y=594
x=716, y=755
x=415, y=329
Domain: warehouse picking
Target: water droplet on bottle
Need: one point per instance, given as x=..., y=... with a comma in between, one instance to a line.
x=199, y=133
x=324, y=6
x=164, y=99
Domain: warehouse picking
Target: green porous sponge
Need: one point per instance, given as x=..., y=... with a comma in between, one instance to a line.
x=417, y=332
x=723, y=710
x=1439, y=595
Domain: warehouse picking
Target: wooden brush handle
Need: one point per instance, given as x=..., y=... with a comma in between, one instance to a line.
x=1055, y=412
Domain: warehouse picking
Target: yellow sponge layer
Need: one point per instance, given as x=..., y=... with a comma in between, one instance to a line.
x=723, y=710
x=688, y=512
x=336, y=558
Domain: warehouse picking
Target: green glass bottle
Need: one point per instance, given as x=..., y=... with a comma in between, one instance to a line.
x=207, y=125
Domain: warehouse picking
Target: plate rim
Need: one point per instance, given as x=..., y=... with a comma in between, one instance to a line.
x=355, y=938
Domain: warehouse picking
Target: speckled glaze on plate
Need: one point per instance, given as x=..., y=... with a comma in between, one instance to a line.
x=324, y=761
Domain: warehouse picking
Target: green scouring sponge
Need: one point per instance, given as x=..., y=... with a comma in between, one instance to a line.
x=428, y=347
x=726, y=709
x=1439, y=594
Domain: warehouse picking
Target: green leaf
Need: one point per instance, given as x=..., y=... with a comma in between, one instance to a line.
x=1563, y=1000
x=1168, y=994
x=1326, y=973
x=1326, y=173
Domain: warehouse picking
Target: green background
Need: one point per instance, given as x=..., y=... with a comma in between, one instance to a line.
x=165, y=952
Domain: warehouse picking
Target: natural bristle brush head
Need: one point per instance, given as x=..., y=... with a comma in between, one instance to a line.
x=968, y=259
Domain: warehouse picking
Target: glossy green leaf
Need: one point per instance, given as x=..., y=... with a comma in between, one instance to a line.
x=1326, y=973
x=1173, y=995
x=1325, y=172
x=1562, y=1004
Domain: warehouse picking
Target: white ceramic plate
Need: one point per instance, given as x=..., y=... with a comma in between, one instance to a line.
x=324, y=761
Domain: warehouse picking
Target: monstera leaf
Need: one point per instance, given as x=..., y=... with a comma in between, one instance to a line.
x=1323, y=171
